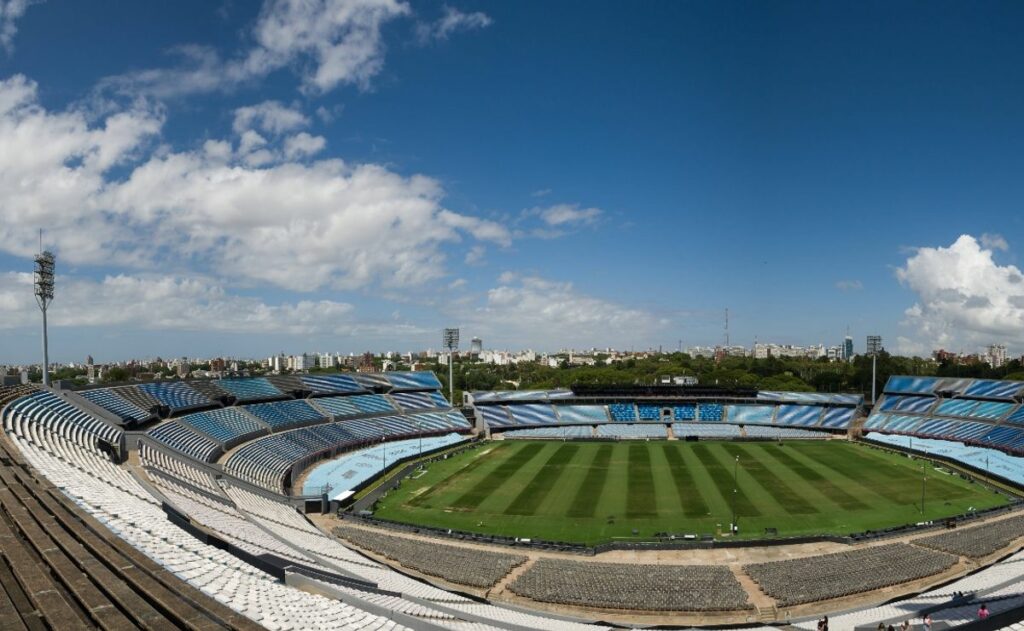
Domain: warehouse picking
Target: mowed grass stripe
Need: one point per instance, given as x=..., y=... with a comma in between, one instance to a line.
x=722, y=478
x=640, y=500
x=827, y=487
x=788, y=499
x=478, y=461
x=543, y=481
x=690, y=499
x=912, y=476
x=866, y=473
x=505, y=471
x=589, y=493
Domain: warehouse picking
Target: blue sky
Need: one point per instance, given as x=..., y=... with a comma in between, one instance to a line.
x=243, y=178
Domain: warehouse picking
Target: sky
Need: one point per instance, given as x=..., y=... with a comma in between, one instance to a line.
x=230, y=178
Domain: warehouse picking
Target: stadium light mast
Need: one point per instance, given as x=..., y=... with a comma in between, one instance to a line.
x=43, y=284
x=451, y=342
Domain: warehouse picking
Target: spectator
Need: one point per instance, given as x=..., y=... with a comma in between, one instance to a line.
x=926, y=622
x=905, y=626
x=982, y=612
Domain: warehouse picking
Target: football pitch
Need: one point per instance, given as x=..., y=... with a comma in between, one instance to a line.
x=587, y=492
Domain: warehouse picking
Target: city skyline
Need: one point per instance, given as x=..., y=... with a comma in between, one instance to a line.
x=245, y=179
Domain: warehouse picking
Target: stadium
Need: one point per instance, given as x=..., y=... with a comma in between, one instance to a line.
x=369, y=500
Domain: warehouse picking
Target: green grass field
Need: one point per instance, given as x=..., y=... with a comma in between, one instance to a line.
x=589, y=493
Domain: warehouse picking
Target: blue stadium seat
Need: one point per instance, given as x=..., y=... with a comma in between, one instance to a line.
x=798, y=415
x=533, y=414
x=622, y=412
x=582, y=414
x=709, y=412
x=250, y=389
x=747, y=414
x=228, y=425
x=331, y=383
x=838, y=418
x=283, y=414
x=684, y=412
x=176, y=395
x=110, y=401
x=648, y=412
x=185, y=440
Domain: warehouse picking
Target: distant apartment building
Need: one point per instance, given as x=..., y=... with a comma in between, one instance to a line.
x=996, y=355
x=847, y=348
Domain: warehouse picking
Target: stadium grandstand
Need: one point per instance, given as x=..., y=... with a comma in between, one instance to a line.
x=203, y=504
x=974, y=412
x=654, y=411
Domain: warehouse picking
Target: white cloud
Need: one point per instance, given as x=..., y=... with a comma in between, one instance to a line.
x=963, y=296
x=564, y=215
x=246, y=213
x=849, y=285
x=166, y=303
x=53, y=169
x=303, y=145
x=330, y=42
x=994, y=242
x=10, y=12
x=475, y=256
x=452, y=21
x=555, y=314
x=269, y=116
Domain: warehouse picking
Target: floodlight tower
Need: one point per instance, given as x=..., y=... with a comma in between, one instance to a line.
x=44, y=295
x=451, y=342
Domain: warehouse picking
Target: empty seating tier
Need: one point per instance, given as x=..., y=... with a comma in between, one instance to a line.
x=226, y=425
x=533, y=414
x=632, y=586
x=412, y=401
x=85, y=577
x=622, y=412
x=774, y=432
x=709, y=412
x=182, y=438
x=565, y=432
x=746, y=414
x=265, y=461
x=632, y=431
x=687, y=412
x=287, y=383
x=250, y=389
x=46, y=409
x=584, y=414
x=455, y=564
x=284, y=414
x=838, y=418
x=977, y=541
x=798, y=415
x=138, y=397
x=326, y=384
x=424, y=380
x=210, y=389
x=810, y=579
x=111, y=402
x=648, y=412
x=176, y=395
x=705, y=430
